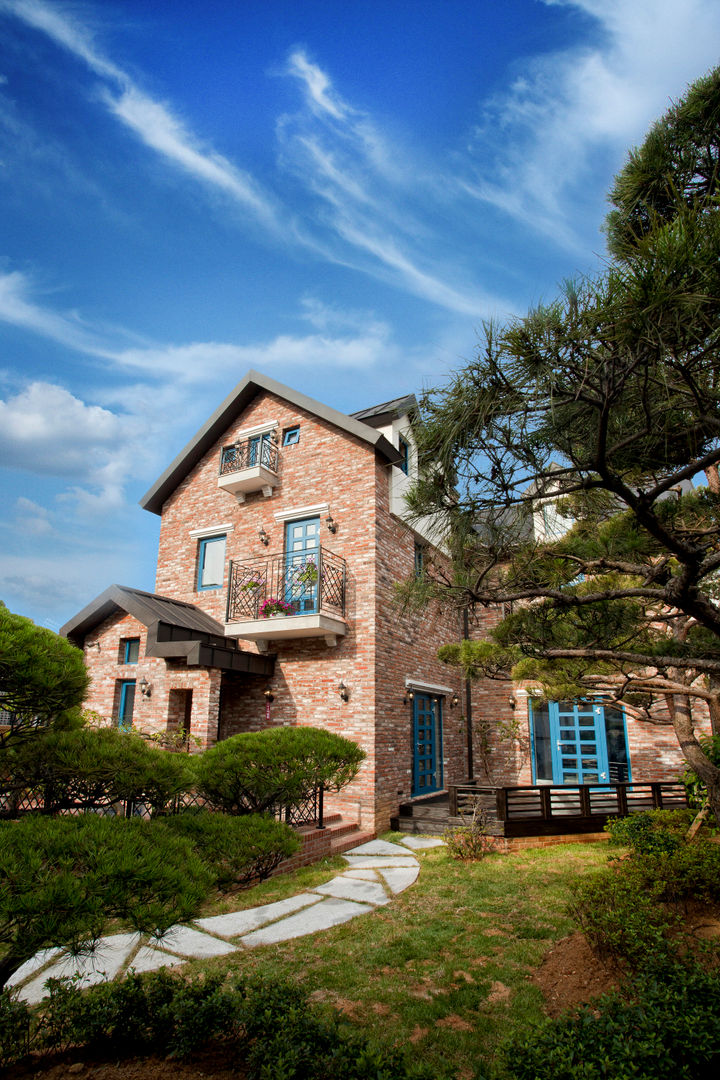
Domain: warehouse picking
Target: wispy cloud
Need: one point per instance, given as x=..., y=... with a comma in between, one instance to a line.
x=153, y=122
x=537, y=145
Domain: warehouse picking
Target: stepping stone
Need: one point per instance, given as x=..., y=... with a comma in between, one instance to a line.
x=376, y=862
x=149, y=959
x=377, y=847
x=99, y=965
x=365, y=892
x=400, y=879
x=242, y=922
x=38, y=961
x=362, y=875
x=420, y=842
x=322, y=916
x=188, y=942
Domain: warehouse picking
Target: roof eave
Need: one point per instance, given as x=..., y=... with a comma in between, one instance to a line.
x=254, y=382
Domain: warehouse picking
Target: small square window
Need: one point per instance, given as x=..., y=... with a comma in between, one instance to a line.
x=291, y=436
x=130, y=650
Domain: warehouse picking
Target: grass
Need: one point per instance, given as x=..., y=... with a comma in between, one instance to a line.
x=446, y=966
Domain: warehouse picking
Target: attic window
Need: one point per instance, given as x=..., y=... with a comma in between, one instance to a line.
x=404, y=447
x=291, y=436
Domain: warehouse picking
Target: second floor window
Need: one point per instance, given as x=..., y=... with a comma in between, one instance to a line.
x=130, y=650
x=404, y=447
x=211, y=562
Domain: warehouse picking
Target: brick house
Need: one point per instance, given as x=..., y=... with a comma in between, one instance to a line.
x=283, y=533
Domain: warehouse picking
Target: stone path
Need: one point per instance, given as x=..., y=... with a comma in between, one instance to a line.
x=377, y=871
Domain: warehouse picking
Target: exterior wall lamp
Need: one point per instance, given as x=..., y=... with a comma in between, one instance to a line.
x=331, y=524
x=454, y=701
x=511, y=701
x=268, y=695
x=264, y=538
x=409, y=695
x=145, y=687
x=343, y=692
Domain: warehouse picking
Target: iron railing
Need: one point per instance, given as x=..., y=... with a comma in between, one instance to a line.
x=15, y=804
x=248, y=453
x=303, y=583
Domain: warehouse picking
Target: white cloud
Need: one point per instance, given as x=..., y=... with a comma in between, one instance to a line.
x=46, y=429
x=19, y=309
x=31, y=518
x=150, y=120
x=538, y=142
x=318, y=86
x=159, y=129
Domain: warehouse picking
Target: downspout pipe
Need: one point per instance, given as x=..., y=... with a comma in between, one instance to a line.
x=468, y=704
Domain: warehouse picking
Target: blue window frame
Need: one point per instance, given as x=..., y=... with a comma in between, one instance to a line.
x=578, y=742
x=127, y=703
x=404, y=447
x=130, y=650
x=419, y=560
x=211, y=563
x=291, y=436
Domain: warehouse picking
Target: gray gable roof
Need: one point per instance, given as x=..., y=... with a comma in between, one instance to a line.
x=230, y=409
x=148, y=608
x=379, y=415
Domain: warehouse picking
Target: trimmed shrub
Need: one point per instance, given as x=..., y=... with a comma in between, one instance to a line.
x=654, y=831
x=667, y=1025
x=258, y=771
x=239, y=850
x=292, y=1039
x=622, y=917
x=63, y=879
x=279, y=1034
x=92, y=768
x=157, y=1012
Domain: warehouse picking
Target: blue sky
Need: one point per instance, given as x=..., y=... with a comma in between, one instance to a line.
x=335, y=193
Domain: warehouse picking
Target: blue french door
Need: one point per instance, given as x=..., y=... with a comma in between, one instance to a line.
x=579, y=742
x=302, y=564
x=427, y=744
x=580, y=750
x=259, y=449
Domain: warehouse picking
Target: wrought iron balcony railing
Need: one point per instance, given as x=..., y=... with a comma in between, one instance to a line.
x=249, y=453
x=307, y=583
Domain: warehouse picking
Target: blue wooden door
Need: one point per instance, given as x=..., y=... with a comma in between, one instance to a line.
x=579, y=744
x=427, y=744
x=302, y=565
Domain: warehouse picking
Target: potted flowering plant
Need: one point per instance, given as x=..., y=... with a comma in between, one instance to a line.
x=252, y=584
x=307, y=572
x=274, y=606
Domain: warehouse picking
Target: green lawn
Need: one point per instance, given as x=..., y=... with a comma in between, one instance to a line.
x=446, y=964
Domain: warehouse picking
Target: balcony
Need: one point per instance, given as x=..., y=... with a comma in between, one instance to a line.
x=249, y=465
x=286, y=596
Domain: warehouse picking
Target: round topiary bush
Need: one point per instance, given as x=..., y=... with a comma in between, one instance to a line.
x=258, y=771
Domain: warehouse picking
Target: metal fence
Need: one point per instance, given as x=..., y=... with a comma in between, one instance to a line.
x=305, y=583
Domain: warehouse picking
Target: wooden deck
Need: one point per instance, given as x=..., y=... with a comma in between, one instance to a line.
x=538, y=810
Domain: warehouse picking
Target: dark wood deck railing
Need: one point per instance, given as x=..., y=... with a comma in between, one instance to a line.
x=575, y=807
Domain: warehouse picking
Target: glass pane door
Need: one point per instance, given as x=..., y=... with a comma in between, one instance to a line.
x=580, y=753
x=427, y=744
x=302, y=550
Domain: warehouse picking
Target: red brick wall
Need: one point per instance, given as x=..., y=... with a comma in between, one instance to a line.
x=381, y=650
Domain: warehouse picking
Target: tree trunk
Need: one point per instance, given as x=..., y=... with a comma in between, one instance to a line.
x=693, y=752
x=713, y=478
